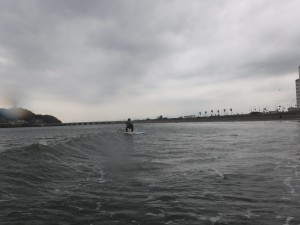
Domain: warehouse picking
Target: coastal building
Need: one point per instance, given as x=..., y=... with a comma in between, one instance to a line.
x=298, y=89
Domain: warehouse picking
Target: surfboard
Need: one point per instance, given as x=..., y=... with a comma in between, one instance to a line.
x=135, y=132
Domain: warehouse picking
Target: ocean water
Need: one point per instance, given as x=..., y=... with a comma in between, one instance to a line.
x=176, y=173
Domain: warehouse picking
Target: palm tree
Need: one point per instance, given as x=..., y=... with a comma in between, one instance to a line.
x=212, y=111
x=231, y=110
x=200, y=114
x=218, y=112
x=205, y=113
x=264, y=110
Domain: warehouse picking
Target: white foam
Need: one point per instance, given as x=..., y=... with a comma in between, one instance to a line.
x=218, y=172
x=250, y=214
x=288, y=220
x=151, y=214
x=161, y=214
x=214, y=219
x=43, y=143
x=287, y=182
x=98, y=205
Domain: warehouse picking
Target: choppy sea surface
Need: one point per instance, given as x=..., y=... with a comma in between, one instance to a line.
x=176, y=173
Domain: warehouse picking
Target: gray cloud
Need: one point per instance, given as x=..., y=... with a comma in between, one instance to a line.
x=99, y=52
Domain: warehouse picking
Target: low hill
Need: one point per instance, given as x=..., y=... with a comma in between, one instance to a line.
x=20, y=114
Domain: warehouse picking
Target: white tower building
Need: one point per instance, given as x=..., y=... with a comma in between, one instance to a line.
x=298, y=89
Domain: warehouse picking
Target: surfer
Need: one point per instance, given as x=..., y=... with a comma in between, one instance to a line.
x=129, y=125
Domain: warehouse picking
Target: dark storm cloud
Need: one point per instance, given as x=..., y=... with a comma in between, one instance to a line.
x=94, y=51
x=92, y=45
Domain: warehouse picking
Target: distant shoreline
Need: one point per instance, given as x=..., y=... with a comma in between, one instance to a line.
x=232, y=118
x=278, y=116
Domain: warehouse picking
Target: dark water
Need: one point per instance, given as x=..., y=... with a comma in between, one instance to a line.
x=185, y=173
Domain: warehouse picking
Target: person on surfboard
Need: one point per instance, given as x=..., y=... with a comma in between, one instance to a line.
x=129, y=125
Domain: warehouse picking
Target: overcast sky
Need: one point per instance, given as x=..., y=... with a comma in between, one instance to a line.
x=98, y=60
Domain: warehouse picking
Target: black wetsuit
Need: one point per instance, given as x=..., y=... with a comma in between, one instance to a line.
x=129, y=125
